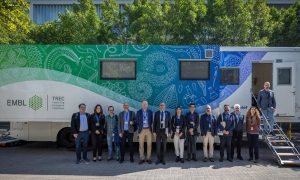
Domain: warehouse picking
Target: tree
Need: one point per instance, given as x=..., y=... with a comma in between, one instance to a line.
x=287, y=28
x=81, y=26
x=14, y=21
x=114, y=23
x=186, y=21
x=229, y=21
x=261, y=22
x=145, y=21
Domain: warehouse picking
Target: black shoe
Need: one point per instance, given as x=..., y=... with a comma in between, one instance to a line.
x=121, y=161
x=99, y=159
x=194, y=158
x=188, y=157
x=157, y=162
x=109, y=159
x=163, y=162
x=211, y=159
x=131, y=160
x=255, y=161
x=250, y=159
x=118, y=159
x=182, y=160
x=77, y=161
x=240, y=158
x=221, y=159
x=177, y=159
x=141, y=161
x=205, y=160
x=229, y=159
x=149, y=161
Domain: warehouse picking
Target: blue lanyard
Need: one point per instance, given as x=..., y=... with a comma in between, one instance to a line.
x=177, y=120
x=97, y=118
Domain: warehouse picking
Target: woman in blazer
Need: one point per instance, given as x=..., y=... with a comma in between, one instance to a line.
x=178, y=133
x=97, y=121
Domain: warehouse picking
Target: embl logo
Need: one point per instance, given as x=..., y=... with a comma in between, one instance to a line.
x=35, y=102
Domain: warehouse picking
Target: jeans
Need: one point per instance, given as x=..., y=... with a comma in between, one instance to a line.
x=81, y=143
x=110, y=147
x=269, y=113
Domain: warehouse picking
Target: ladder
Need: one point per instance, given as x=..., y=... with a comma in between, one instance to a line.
x=282, y=148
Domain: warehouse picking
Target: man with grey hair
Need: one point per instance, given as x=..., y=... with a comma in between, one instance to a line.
x=144, y=119
x=267, y=105
x=208, y=126
x=238, y=124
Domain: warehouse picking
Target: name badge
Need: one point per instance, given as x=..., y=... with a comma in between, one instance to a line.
x=177, y=129
x=209, y=125
x=251, y=128
x=223, y=123
x=97, y=124
x=192, y=123
x=126, y=122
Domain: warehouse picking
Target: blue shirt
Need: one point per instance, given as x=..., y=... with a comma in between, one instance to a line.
x=126, y=121
x=83, y=122
x=145, y=120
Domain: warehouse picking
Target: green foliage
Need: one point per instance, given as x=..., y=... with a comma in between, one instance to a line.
x=14, y=21
x=222, y=22
x=81, y=26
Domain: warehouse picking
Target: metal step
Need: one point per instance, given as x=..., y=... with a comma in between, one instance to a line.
x=282, y=147
x=291, y=162
x=288, y=154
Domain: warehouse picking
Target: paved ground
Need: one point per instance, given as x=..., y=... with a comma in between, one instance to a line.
x=42, y=160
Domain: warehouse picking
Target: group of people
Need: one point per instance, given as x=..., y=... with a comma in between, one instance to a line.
x=182, y=128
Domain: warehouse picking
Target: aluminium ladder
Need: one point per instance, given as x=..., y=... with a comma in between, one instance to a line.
x=282, y=148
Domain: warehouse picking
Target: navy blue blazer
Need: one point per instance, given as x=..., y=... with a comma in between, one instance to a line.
x=156, y=123
x=204, y=125
x=139, y=119
x=190, y=124
x=229, y=124
x=238, y=126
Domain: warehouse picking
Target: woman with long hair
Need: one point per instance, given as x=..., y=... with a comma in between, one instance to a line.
x=97, y=127
x=252, y=127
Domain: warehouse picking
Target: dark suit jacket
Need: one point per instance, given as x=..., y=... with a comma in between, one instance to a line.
x=266, y=99
x=182, y=126
x=229, y=124
x=204, y=125
x=156, y=122
x=240, y=125
x=131, y=128
x=75, y=122
x=139, y=119
x=189, y=124
x=93, y=121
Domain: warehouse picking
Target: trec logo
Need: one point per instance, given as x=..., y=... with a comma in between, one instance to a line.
x=35, y=102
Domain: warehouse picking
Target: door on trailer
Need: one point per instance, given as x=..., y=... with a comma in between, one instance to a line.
x=284, y=88
x=261, y=72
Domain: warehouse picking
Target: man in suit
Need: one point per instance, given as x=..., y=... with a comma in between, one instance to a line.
x=238, y=124
x=208, y=126
x=267, y=105
x=144, y=119
x=80, y=128
x=192, y=124
x=161, y=130
x=126, y=126
x=225, y=126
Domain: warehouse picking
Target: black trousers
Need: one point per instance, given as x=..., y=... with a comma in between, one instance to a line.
x=225, y=142
x=97, y=144
x=161, y=143
x=191, y=144
x=253, y=145
x=236, y=142
x=126, y=136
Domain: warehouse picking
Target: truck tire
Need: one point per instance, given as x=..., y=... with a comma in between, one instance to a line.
x=65, y=138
